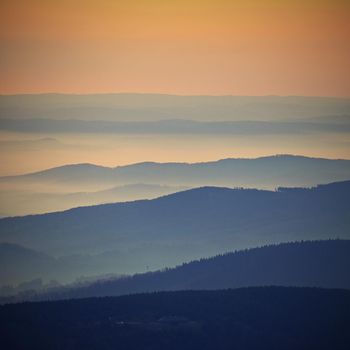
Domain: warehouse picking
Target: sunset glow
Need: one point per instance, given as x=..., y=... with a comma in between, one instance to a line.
x=182, y=47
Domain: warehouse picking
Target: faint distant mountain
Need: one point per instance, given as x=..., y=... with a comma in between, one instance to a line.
x=303, y=264
x=16, y=202
x=141, y=107
x=21, y=264
x=34, y=144
x=151, y=234
x=176, y=127
x=265, y=172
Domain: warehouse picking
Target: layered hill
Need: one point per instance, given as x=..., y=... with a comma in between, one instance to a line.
x=302, y=264
x=191, y=216
x=151, y=234
x=265, y=172
x=76, y=185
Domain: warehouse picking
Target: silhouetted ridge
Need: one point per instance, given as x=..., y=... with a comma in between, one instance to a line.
x=303, y=264
x=249, y=318
x=41, y=192
x=263, y=172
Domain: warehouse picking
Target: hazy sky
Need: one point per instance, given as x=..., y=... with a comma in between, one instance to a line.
x=32, y=152
x=245, y=47
x=221, y=47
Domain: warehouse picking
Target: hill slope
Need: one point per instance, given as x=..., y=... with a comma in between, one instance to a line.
x=199, y=222
x=304, y=264
x=26, y=202
x=264, y=318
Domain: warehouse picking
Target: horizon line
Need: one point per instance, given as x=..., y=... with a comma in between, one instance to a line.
x=165, y=94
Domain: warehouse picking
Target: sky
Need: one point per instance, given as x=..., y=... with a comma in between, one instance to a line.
x=242, y=47
x=181, y=47
x=28, y=152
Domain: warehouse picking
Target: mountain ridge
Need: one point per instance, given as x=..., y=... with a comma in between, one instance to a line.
x=304, y=264
x=186, y=225
x=186, y=192
x=151, y=163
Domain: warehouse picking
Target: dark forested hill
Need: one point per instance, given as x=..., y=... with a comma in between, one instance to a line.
x=304, y=264
x=252, y=318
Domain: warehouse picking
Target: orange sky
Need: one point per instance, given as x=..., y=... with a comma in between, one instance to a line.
x=243, y=47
